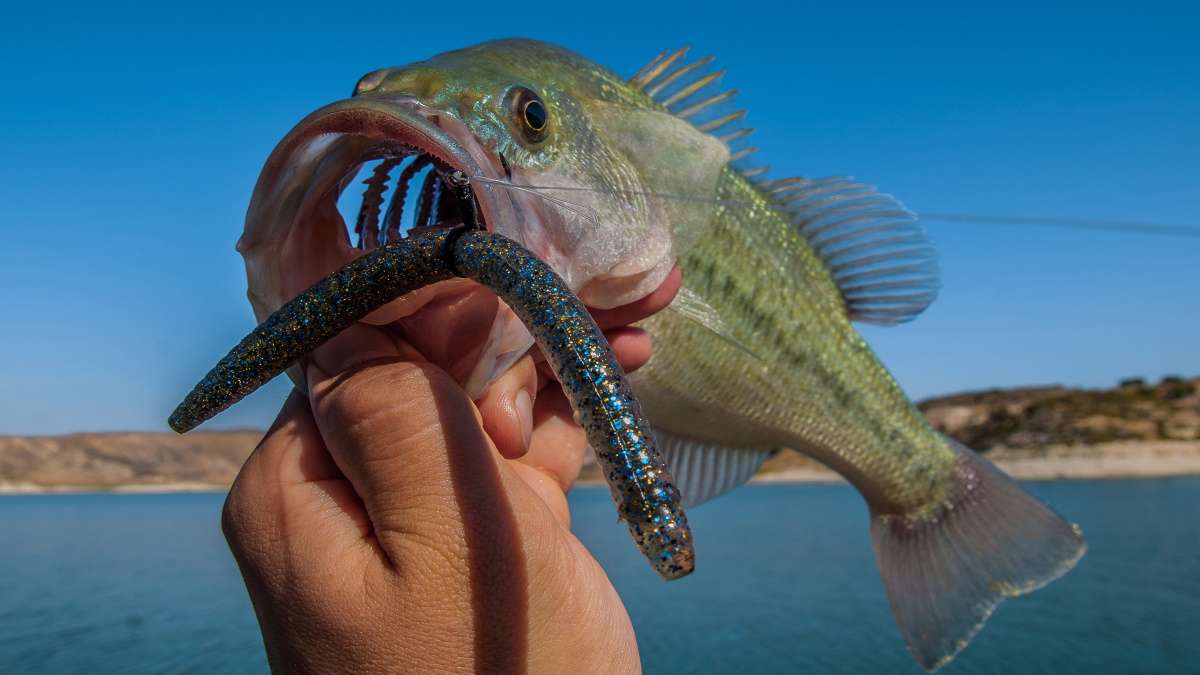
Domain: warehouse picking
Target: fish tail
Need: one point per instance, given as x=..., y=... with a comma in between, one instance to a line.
x=945, y=570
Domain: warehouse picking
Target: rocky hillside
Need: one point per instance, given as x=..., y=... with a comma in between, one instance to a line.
x=1134, y=429
x=1044, y=416
x=1137, y=428
x=120, y=460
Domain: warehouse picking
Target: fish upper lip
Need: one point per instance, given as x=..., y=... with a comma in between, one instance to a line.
x=375, y=120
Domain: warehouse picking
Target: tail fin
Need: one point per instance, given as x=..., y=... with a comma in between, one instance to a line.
x=946, y=571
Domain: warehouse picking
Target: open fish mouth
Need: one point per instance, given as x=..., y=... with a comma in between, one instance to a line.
x=295, y=234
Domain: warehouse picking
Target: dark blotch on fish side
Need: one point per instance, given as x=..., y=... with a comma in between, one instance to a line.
x=576, y=349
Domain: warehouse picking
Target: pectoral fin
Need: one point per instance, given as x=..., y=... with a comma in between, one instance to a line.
x=689, y=305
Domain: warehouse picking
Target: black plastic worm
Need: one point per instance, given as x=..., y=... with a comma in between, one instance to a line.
x=576, y=349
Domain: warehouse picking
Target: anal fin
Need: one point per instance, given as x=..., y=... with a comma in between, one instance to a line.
x=704, y=471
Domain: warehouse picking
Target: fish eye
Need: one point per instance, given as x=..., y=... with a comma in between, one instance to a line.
x=531, y=116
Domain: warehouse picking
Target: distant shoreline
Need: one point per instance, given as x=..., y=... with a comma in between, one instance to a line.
x=1122, y=460
x=1107, y=461
x=1134, y=430
x=24, y=488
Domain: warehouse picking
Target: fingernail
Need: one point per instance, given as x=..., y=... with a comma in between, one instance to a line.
x=524, y=405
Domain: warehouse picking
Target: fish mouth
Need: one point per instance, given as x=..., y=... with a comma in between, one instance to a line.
x=295, y=233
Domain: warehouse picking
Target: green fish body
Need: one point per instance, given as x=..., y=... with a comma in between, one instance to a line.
x=796, y=373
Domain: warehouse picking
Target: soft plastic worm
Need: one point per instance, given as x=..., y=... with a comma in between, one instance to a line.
x=576, y=349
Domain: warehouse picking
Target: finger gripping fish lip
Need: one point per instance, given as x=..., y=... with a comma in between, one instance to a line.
x=576, y=349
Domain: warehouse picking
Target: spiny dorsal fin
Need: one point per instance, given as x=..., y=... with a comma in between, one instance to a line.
x=690, y=91
x=877, y=252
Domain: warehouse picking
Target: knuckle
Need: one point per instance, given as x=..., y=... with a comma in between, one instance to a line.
x=251, y=486
x=233, y=522
x=357, y=393
x=246, y=513
x=387, y=405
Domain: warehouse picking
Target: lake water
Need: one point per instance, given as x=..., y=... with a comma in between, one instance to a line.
x=786, y=583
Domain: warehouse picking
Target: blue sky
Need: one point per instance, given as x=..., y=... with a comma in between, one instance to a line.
x=131, y=138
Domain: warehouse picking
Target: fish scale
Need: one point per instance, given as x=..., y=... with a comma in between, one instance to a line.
x=815, y=384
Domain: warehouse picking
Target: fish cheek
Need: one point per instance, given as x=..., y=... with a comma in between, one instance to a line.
x=682, y=173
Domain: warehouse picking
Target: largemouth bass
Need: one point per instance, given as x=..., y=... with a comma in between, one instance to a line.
x=611, y=182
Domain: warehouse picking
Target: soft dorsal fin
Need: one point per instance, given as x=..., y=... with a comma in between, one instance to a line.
x=875, y=249
x=877, y=252
x=691, y=91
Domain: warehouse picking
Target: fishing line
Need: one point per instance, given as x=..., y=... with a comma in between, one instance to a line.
x=577, y=209
x=640, y=193
x=1134, y=227
x=1157, y=229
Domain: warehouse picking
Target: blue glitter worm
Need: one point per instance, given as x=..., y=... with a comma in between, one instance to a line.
x=576, y=349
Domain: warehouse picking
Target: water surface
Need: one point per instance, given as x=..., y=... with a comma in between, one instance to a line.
x=785, y=582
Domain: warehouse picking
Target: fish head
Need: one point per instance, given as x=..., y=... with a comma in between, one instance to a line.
x=607, y=187
x=562, y=155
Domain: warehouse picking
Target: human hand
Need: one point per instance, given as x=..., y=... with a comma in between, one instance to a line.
x=387, y=523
